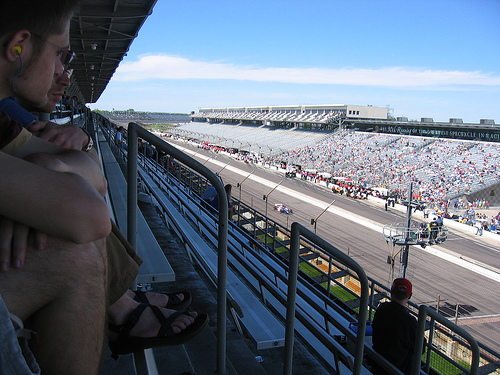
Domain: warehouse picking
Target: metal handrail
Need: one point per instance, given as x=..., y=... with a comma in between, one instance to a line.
x=425, y=311
x=134, y=132
x=298, y=230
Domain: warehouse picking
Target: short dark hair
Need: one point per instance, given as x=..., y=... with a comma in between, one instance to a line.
x=400, y=297
x=42, y=17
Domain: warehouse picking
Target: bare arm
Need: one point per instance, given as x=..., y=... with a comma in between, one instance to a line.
x=60, y=203
x=64, y=160
x=14, y=235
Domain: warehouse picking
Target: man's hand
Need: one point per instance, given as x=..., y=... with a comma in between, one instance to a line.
x=14, y=243
x=67, y=136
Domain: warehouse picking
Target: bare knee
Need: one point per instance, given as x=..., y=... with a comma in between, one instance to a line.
x=84, y=265
x=62, y=269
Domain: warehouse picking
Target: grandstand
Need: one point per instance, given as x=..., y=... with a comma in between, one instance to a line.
x=257, y=139
x=321, y=117
x=355, y=117
x=254, y=240
x=147, y=117
x=442, y=168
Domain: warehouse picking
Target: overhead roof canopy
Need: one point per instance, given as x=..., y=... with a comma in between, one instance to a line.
x=101, y=35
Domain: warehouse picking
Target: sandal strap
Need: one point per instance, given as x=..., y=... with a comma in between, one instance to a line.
x=172, y=299
x=125, y=328
x=140, y=297
x=166, y=329
x=165, y=323
x=22, y=332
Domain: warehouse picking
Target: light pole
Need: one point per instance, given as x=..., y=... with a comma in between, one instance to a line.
x=229, y=162
x=266, y=196
x=195, y=153
x=241, y=183
x=315, y=221
x=406, y=249
x=259, y=146
x=406, y=234
x=287, y=217
x=210, y=158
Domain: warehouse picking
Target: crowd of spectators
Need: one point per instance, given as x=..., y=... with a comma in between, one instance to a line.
x=440, y=169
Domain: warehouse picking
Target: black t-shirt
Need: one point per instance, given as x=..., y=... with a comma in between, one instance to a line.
x=394, y=332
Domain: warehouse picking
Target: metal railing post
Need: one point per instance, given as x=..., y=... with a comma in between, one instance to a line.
x=132, y=187
x=425, y=311
x=134, y=131
x=297, y=231
x=293, y=271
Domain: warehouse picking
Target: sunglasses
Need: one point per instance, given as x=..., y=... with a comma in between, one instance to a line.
x=67, y=56
x=68, y=72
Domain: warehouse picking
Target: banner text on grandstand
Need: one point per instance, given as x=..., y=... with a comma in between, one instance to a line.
x=488, y=135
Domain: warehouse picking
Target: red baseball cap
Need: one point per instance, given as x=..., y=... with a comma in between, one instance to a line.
x=401, y=286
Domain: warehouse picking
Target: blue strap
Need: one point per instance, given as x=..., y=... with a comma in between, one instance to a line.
x=17, y=113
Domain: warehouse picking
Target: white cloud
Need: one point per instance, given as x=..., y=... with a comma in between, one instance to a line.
x=161, y=66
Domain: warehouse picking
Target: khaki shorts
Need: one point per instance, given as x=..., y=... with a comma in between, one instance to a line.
x=123, y=264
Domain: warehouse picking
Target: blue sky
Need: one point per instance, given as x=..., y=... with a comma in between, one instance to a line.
x=438, y=59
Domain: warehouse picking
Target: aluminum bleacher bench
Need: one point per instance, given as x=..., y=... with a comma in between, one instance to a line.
x=248, y=310
x=155, y=267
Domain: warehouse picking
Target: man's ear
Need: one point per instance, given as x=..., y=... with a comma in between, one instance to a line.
x=17, y=45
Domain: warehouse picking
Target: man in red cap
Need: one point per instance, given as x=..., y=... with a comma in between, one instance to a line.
x=394, y=329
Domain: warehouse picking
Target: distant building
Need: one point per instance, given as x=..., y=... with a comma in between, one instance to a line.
x=347, y=116
x=348, y=110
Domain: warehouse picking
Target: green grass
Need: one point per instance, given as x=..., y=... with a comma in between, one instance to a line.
x=444, y=367
x=309, y=269
x=368, y=316
x=158, y=127
x=340, y=292
x=281, y=249
x=268, y=238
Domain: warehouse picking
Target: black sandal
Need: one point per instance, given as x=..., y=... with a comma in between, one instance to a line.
x=126, y=344
x=173, y=303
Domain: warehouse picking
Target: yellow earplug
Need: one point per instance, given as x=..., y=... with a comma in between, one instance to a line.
x=17, y=49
